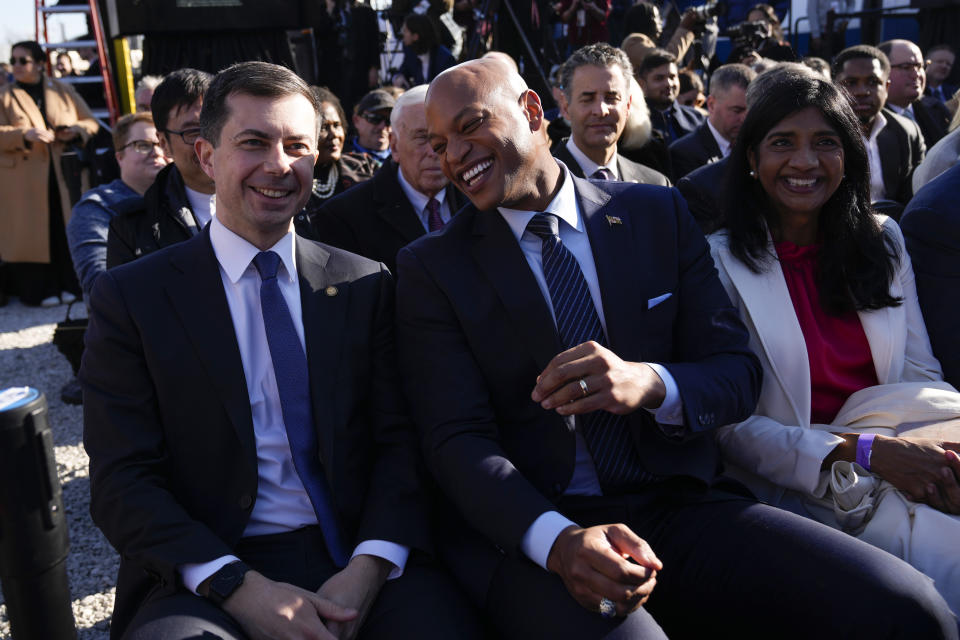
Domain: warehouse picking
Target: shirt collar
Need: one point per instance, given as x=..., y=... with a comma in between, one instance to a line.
x=235, y=253
x=589, y=166
x=901, y=110
x=878, y=123
x=417, y=199
x=563, y=205
x=722, y=142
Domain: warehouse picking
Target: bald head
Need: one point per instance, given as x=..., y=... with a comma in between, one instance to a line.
x=503, y=57
x=485, y=124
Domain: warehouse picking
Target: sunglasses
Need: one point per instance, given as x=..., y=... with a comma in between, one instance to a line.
x=374, y=118
x=141, y=146
x=21, y=61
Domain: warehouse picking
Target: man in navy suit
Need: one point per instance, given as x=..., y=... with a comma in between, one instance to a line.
x=250, y=455
x=931, y=228
x=727, y=107
x=657, y=75
x=567, y=350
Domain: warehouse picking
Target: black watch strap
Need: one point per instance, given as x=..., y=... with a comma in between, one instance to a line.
x=225, y=581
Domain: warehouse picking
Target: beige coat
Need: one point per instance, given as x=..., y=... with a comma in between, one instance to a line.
x=24, y=172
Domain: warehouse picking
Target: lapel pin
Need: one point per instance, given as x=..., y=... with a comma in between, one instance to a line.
x=612, y=220
x=330, y=291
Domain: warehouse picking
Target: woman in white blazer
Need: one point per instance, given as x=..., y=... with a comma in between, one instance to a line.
x=818, y=278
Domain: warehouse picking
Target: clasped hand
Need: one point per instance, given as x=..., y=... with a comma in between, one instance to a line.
x=925, y=470
x=612, y=384
x=605, y=561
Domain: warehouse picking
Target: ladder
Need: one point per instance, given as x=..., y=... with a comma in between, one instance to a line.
x=112, y=112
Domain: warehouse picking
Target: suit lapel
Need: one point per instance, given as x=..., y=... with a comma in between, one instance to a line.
x=393, y=207
x=765, y=296
x=563, y=155
x=198, y=279
x=890, y=149
x=616, y=257
x=324, y=298
x=709, y=142
x=502, y=261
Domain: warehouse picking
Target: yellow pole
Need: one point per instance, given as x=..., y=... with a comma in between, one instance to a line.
x=125, y=86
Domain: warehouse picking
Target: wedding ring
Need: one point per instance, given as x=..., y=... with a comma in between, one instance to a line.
x=586, y=392
x=607, y=608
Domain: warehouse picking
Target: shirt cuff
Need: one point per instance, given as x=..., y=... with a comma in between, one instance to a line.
x=392, y=552
x=670, y=412
x=539, y=538
x=194, y=574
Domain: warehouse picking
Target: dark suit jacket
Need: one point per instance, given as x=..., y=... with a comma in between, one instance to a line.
x=474, y=331
x=931, y=228
x=685, y=120
x=165, y=218
x=694, y=150
x=374, y=219
x=440, y=60
x=630, y=171
x=901, y=151
x=168, y=426
x=933, y=118
x=704, y=193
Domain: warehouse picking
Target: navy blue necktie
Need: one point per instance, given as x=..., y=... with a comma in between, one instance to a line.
x=606, y=434
x=293, y=385
x=602, y=174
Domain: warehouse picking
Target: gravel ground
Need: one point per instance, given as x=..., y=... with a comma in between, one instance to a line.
x=28, y=358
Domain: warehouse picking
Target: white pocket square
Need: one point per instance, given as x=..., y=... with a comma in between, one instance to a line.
x=652, y=302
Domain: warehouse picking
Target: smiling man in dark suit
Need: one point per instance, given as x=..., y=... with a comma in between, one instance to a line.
x=250, y=457
x=408, y=197
x=657, y=75
x=568, y=350
x=596, y=102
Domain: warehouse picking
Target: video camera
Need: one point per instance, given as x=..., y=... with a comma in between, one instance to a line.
x=711, y=9
x=749, y=34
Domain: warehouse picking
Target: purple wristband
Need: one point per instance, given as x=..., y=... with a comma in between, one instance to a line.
x=864, y=448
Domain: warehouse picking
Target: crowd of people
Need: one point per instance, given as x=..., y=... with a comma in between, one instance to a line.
x=453, y=362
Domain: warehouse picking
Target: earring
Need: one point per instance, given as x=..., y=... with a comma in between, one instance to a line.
x=753, y=174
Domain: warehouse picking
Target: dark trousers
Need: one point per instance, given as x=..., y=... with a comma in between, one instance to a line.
x=422, y=603
x=731, y=568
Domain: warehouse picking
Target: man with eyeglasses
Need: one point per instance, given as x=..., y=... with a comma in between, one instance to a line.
x=180, y=202
x=371, y=119
x=905, y=95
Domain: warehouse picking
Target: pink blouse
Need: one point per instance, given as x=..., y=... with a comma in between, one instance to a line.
x=837, y=348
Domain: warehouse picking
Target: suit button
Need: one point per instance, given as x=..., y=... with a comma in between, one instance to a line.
x=245, y=501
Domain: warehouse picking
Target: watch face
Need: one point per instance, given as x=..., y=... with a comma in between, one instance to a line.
x=226, y=580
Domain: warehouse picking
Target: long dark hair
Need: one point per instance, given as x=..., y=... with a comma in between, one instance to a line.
x=857, y=262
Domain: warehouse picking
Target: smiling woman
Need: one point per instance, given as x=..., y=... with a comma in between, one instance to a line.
x=827, y=292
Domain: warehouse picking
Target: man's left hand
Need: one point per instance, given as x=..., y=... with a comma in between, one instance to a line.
x=612, y=384
x=356, y=587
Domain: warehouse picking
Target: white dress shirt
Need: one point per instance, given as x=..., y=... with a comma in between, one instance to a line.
x=722, y=142
x=539, y=538
x=419, y=201
x=906, y=112
x=589, y=166
x=204, y=205
x=282, y=503
x=878, y=190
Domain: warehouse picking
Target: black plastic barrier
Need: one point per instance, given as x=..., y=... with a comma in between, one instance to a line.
x=33, y=528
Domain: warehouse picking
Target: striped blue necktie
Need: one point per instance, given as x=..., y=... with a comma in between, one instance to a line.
x=606, y=434
x=290, y=368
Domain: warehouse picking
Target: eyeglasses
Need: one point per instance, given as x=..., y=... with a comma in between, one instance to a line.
x=21, y=61
x=374, y=118
x=189, y=136
x=907, y=66
x=141, y=146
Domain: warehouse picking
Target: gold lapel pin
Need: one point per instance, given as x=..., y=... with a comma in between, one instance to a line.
x=330, y=291
x=612, y=220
